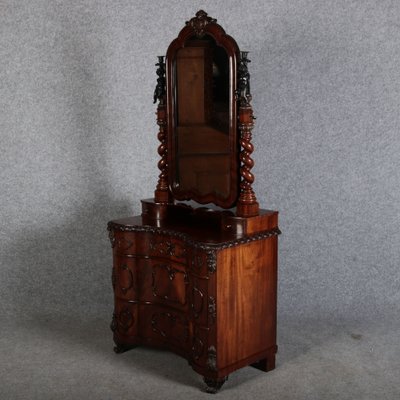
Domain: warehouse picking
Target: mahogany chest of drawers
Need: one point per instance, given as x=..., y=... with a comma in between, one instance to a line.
x=205, y=293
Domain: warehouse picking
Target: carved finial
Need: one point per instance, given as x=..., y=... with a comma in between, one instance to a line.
x=243, y=91
x=159, y=91
x=199, y=22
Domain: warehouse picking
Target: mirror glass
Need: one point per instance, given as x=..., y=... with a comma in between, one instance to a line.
x=202, y=141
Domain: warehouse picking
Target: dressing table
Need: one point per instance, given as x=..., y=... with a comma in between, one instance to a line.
x=196, y=272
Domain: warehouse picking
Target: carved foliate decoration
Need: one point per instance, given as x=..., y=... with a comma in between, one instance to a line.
x=212, y=260
x=122, y=244
x=197, y=300
x=212, y=309
x=125, y=319
x=172, y=292
x=167, y=248
x=212, y=358
x=122, y=320
x=197, y=347
x=125, y=288
x=177, y=328
x=197, y=261
x=199, y=22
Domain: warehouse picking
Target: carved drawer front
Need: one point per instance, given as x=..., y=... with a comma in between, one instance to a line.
x=202, y=262
x=163, y=282
x=199, y=346
x=124, y=278
x=125, y=319
x=199, y=299
x=167, y=247
x=124, y=242
x=164, y=326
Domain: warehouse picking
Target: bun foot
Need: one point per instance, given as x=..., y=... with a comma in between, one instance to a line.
x=266, y=364
x=213, y=385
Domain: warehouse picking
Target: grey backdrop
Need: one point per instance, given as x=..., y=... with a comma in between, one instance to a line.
x=78, y=146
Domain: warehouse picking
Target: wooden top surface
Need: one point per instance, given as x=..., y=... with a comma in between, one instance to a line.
x=205, y=227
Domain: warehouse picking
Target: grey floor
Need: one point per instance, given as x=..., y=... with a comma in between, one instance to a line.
x=72, y=358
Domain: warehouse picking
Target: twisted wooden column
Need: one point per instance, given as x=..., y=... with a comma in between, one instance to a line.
x=247, y=205
x=161, y=194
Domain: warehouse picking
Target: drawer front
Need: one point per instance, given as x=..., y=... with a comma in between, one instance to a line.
x=164, y=326
x=125, y=319
x=149, y=244
x=167, y=247
x=125, y=278
x=125, y=242
x=199, y=346
x=198, y=300
x=202, y=262
x=163, y=282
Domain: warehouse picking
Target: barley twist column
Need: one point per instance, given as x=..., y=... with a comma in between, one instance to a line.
x=247, y=205
x=161, y=194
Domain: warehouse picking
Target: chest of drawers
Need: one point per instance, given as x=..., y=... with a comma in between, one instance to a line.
x=205, y=295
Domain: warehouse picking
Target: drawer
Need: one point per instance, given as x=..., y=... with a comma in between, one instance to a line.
x=164, y=326
x=199, y=346
x=199, y=302
x=202, y=262
x=163, y=282
x=169, y=247
x=125, y=319
x=127, y=243
x=125, y=278
x=149, y=244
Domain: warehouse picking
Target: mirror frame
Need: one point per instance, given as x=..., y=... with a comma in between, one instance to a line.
x=198, y=27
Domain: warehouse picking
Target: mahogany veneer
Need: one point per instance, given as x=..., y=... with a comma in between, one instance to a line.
x=202, y=287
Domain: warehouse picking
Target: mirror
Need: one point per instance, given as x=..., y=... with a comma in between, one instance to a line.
x=202, y=148
x=203, y=155
x=204, y=107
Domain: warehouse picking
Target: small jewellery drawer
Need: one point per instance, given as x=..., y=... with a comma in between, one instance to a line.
x=166, y=246
x=124, y=242
x=148, y=244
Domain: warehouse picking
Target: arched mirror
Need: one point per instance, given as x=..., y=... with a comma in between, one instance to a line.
x=205, y=118
x=202, y=126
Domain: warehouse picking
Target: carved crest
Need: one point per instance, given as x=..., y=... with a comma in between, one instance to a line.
x=199, y=22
